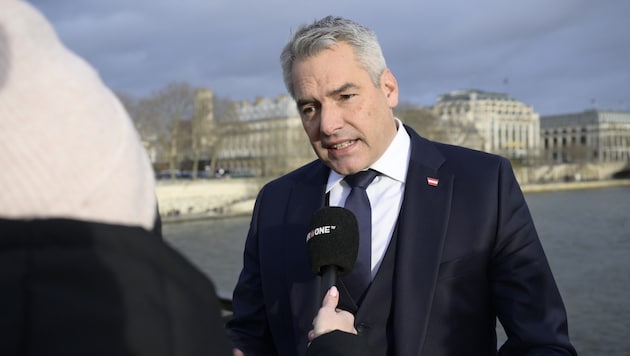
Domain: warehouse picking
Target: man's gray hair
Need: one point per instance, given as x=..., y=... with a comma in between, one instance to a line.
x=310, y=40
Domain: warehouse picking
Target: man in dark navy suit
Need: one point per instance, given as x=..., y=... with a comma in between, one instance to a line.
x=453, y=245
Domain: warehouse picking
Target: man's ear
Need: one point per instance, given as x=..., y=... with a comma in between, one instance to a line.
x=389, y=85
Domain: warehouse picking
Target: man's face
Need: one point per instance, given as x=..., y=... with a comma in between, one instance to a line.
x=348, y=119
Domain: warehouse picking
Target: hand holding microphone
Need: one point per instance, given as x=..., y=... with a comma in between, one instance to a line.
x=329, y=318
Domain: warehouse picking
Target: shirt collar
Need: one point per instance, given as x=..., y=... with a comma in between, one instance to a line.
x=393, y=163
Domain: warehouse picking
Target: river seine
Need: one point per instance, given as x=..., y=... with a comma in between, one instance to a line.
x=585, y=233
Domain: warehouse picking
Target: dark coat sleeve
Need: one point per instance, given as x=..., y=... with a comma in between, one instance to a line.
x=527, y=299
x=248, y=328
x=338, y=343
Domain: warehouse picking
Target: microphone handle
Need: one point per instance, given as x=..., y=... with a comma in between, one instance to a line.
x=329, y=278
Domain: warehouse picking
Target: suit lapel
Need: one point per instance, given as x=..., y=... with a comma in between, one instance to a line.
x=306, y=197
x=422, y=228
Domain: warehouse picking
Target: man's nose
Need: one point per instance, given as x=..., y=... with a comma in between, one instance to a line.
x=331, y=120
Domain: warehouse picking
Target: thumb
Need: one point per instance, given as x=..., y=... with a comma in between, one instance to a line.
x=331, y=299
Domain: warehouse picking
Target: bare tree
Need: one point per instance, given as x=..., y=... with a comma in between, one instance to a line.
x=226, y=125
x=421, y=120
x=180, y=123
x=130, y=103
x=202, y=127
x=451, y=131
x=173, y=105
x=151, y=130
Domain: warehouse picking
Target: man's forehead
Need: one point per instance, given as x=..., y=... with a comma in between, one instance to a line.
x=324, y=78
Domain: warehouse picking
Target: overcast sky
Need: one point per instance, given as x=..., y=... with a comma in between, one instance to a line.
x=558, y=56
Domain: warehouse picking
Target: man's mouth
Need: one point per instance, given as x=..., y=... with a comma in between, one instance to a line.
x=343, y=145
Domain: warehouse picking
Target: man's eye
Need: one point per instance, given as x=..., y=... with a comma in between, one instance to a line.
x=344, y=97
x=308, y=110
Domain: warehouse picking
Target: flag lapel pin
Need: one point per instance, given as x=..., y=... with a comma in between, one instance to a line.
x=432, y=181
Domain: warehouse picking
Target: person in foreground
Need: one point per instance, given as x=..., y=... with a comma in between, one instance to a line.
x=83, y=266
x=451, y=242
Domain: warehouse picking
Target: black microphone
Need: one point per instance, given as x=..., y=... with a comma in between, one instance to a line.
x=333, y=244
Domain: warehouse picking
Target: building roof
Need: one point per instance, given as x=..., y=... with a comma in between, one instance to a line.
x=587, y=117
x=267, y=108
x=473, y=94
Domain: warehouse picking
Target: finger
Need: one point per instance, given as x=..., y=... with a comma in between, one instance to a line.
x=331, y=299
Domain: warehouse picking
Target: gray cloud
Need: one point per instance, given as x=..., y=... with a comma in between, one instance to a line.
x=557, y=56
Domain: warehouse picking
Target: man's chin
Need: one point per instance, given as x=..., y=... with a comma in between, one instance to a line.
x=344, y=169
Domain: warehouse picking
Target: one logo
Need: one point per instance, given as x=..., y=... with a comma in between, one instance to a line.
x=320, y=230
x=432, y=181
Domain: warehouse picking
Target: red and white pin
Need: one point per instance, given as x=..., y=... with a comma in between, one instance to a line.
x=432, y=181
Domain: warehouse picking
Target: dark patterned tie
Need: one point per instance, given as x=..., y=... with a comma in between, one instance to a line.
x=360, y=278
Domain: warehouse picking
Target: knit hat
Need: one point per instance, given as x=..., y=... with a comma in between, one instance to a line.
x=67, y=147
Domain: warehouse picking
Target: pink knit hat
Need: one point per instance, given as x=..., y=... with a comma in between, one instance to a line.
x=67, y=147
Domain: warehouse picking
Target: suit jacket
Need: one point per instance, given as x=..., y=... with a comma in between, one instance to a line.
x=467, y=253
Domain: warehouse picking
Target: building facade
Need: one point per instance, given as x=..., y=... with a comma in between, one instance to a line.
x=589, y=136
x=491, y=122
x=265, y=138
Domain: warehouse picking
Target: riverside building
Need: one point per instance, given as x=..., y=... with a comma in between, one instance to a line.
x=265, y=138
x=588, y=136
x=491, y=122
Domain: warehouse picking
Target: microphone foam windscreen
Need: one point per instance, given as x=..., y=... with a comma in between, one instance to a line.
x=333, y=239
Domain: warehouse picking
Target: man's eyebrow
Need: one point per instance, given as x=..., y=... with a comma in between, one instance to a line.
x=302, y=102
x=342, y=89
x=333, y=92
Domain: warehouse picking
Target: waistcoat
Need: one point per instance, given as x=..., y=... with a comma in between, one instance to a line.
x=373, y=319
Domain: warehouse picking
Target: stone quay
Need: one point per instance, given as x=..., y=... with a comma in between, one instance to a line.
x=181, y=200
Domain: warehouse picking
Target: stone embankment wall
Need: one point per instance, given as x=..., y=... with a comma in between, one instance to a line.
x=207, y=196
x=223, y=197
x=568, y=172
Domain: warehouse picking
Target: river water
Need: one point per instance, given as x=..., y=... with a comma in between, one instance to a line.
x=585, y=233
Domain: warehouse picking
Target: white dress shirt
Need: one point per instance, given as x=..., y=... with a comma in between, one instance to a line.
x=385, y=192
